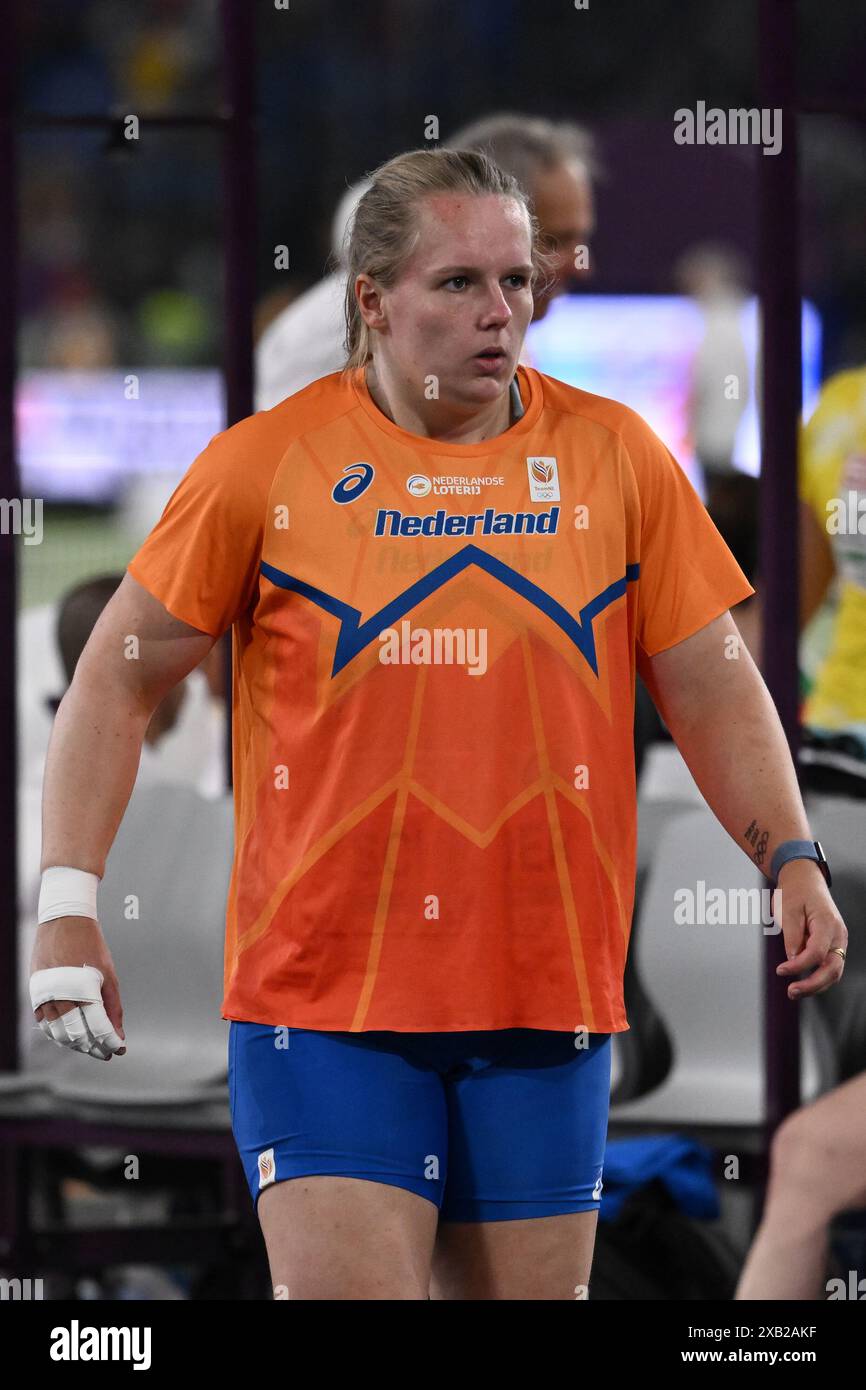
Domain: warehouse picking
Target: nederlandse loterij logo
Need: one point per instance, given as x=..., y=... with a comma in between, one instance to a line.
x=419, y=485
x=267, y=1168
x=452, y=483
x=543, y=479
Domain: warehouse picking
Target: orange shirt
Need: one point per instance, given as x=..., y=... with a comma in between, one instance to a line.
x=433, y=699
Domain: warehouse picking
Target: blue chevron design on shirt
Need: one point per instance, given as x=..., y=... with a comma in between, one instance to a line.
x=354, y=635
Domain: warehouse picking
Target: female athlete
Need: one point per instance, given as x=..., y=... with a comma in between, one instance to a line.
x=441, y=569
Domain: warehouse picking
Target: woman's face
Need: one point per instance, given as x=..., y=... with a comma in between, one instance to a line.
x=465, y=287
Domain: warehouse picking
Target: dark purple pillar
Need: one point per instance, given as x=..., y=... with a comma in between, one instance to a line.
x=9, y=489
x=779, y=288
x=239, y=231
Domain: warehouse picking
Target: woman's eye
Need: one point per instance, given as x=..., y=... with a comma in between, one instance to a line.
x=521, y=279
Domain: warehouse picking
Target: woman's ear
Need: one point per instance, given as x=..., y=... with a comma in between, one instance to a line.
x=369, y=297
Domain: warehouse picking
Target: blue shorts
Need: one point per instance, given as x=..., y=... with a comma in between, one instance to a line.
x=494, y=1125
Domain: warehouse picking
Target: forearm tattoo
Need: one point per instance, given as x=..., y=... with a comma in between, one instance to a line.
x=758, y=840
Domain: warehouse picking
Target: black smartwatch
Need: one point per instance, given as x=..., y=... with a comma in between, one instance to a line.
x=799, y=849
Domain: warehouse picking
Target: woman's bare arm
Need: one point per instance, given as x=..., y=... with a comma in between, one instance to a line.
x=722, y=718
x=135, y=655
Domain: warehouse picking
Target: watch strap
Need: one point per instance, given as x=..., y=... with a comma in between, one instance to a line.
x=799, y=849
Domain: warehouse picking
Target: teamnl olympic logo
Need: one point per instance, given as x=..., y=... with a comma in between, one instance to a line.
x=357, y=477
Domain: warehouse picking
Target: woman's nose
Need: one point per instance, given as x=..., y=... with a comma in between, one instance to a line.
x=497, y=305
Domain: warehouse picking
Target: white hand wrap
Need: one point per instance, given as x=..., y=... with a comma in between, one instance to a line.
x=66, y=892
x=85, y=1029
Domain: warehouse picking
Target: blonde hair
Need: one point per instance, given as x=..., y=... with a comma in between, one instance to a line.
x=384, y=231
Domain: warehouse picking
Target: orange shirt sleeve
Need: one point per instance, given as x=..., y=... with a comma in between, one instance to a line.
x=201, y=560
x=688, y=576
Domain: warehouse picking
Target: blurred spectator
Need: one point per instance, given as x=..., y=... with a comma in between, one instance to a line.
x=178, y=750
x=556, y=163
x=184, y=742
x=76, y=618
x=80, y=339
x=305, y=340
x=817, y=1166
x=714, y=276
x=832, y=485
x=185, y=739
x=75, y=331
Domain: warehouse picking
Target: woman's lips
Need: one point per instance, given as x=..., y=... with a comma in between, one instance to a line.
x=491, y=363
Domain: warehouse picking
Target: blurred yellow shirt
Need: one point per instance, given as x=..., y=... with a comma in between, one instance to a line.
x=832, y=481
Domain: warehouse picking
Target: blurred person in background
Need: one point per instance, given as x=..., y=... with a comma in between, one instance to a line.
x=714, y=276
x=832, y=487
x=305, y=340
x=72, y=329
x=77, y=615
x=183, y=743
x=554, y=162
x=66, y=320
x=817, y=1171
x=789, y=1256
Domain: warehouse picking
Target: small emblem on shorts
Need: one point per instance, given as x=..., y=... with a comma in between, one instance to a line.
x=267, y=1168
x=596, y=1191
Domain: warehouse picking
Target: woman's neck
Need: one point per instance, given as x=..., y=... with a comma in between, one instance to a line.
x=420, y=419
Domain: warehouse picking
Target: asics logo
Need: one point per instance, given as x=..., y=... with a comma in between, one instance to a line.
x=357, y=478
